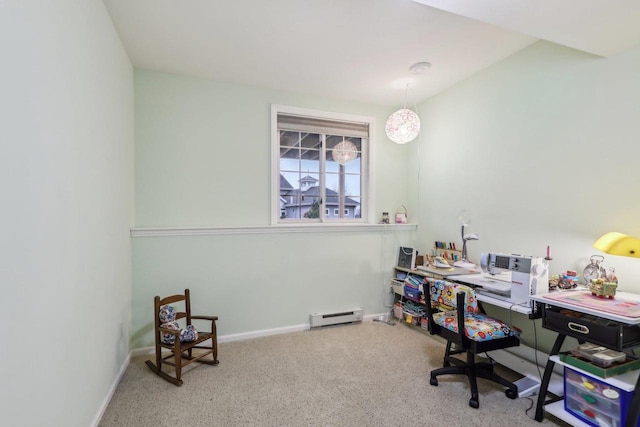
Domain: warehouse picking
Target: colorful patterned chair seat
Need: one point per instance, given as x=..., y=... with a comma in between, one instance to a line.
x=481, y=334
x=478, y=326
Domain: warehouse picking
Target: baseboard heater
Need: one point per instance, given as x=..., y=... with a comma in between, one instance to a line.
x=326, y=319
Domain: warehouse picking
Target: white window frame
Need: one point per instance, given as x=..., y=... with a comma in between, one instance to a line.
x=367, y=170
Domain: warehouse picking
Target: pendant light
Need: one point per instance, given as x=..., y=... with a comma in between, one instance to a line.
x=404, y=125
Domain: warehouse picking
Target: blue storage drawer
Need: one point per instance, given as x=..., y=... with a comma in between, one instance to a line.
x=412, y=294
x=594, y=401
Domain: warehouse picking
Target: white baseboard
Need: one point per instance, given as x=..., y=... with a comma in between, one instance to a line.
x=255, y=334
x=237, y=337
x=112, y=390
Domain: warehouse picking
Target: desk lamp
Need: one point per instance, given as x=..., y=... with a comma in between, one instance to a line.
x=465, y=220
x=615, y=243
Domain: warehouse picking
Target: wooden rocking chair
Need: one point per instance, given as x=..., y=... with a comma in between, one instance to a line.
x=181, y=352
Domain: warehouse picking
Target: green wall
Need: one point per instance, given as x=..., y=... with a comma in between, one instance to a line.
x=67, y=182
x=203, y=160
x=542, y=149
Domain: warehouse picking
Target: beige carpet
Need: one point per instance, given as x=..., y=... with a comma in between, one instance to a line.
x=368, y=374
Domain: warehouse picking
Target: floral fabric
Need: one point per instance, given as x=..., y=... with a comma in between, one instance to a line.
x=443, y=295
x=477, y=326
x=167, y=314
x=168, y=320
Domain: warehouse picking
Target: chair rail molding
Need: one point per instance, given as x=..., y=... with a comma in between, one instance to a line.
x=271, y=229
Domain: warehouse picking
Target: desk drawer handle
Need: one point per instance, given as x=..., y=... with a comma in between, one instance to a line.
x=578, y=328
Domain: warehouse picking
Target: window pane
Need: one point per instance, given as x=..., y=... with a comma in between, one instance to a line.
x=299, y=175
x=343, y=151
x=343, y=177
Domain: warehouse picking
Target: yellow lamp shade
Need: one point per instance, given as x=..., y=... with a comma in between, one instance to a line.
x=615, y=243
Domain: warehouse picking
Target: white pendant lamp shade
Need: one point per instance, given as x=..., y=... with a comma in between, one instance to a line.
x=403, y=126
x=344, y=152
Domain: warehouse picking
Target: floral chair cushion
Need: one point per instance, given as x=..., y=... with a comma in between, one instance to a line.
x=443, y=295
x=478, y=326
x=168, y=320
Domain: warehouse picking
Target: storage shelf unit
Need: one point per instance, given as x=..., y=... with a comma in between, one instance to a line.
x=590, y=325
x=397, y=285
x=626, y=382
x=557, y=410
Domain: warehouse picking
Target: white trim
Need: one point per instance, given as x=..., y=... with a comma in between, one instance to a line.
x=275, y=229
x=254, y=334
x=275, y=165
x=112, y=390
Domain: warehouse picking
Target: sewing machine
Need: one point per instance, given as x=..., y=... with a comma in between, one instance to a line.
x=529, y=275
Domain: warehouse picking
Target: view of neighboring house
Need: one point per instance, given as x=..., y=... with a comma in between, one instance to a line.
x=295, y=203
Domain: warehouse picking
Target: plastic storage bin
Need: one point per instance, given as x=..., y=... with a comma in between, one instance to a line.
x=412, y=294
x=594, y=401
x=412, y=318
x=599, y=355
x=397, y=310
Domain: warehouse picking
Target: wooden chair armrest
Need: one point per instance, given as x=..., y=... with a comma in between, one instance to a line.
x=205, y=317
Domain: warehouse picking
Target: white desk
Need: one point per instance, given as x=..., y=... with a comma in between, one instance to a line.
x=620, y=296
x=621, y=325
x=431, y=271
x=486, y=280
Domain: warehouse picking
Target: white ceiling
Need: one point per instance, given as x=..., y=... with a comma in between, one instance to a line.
x=359, y=49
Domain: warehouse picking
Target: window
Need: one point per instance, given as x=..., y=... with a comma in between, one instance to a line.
x=320, y=166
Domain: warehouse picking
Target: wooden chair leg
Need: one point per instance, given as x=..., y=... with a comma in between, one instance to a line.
x=158, y=353
x=178, y=360
x=214, y=342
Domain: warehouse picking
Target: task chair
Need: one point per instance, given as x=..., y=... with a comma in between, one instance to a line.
x=180, y=342
x=453, y=314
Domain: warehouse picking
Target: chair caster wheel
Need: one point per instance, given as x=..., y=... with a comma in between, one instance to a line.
x=511, y=394
x=433, y=381
x=474, y=403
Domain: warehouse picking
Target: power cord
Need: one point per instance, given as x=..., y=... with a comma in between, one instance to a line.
x=385, y=322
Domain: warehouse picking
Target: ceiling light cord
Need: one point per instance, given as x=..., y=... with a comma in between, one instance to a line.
x=406, y=90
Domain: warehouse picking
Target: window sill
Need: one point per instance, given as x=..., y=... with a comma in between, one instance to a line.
x=271, y=229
